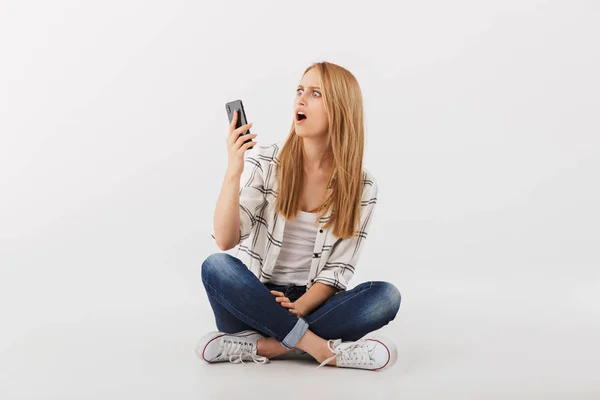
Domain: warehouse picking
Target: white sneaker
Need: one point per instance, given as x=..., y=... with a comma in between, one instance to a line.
x=374, y=353
x=233, y=347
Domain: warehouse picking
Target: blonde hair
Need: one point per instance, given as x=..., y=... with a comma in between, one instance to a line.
x=343, y=103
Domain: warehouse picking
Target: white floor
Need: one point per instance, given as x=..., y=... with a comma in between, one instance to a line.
x=507, y=344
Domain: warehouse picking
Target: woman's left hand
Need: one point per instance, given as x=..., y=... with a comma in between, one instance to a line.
x=295, y=308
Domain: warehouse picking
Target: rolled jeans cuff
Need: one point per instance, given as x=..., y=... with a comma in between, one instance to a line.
x=295, y=334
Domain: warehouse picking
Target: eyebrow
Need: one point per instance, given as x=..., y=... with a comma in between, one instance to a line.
x=314, y=87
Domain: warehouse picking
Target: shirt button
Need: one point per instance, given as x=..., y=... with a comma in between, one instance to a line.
x=321, y=230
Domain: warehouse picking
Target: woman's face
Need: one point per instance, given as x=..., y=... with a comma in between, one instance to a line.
x=309, y=101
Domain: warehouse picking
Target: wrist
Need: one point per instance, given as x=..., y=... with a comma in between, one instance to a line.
x=231, y=175
x=301, y=306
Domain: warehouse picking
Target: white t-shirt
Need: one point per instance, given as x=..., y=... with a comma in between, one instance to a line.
x=294, y=260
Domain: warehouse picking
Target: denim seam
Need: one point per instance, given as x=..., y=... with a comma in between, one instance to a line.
x=362, y=291
x=225, y=300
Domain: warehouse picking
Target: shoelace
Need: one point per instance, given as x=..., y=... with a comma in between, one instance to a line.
x=353, y=353
x=237, y=351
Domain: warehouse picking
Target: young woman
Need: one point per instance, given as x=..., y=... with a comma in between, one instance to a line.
x=300, y=212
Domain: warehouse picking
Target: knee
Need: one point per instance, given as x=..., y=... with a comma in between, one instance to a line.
x=216, y=265
x=390, y=297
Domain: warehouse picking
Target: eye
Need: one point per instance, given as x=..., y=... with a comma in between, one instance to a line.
x=298, y=91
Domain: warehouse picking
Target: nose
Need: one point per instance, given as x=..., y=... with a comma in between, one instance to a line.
x=300, y=100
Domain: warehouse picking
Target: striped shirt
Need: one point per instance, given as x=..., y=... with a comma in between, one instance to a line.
x=261, y=228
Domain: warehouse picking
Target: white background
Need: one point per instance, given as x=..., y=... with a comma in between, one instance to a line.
x=482, y=130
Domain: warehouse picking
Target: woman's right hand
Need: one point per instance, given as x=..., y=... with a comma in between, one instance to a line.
x=236, y=147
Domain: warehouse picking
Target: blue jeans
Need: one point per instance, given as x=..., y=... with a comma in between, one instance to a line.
x=240, y=301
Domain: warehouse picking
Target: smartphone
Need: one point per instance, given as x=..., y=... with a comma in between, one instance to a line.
x=238, y=106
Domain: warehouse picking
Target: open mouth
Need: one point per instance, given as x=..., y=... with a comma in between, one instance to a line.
x=300, y=116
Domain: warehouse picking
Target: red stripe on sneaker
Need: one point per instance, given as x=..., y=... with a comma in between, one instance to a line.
x=389, y=355
x=204, y=349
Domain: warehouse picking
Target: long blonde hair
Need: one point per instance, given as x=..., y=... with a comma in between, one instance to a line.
x=343, y=103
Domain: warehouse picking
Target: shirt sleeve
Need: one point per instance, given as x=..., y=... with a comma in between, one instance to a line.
x=339, y=268
x=252, y=193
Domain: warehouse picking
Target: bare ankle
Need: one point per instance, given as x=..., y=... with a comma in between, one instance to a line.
x=269, y=347
x=327, y=354
x=260, y=345
x=316, y=347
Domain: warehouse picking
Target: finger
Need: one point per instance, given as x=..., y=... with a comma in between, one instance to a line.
x=245, y=146
x=282, y=299
x=233, y=120
x=242, y=128
x=288, y=305
x=240, y=140
x=293, y=311
x=248, y=145
x=275, y=292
